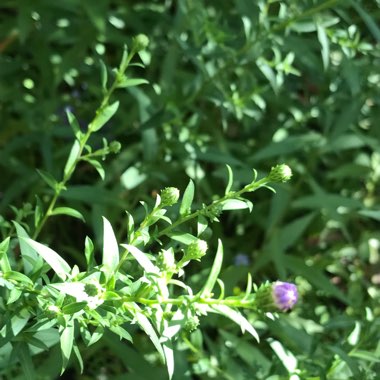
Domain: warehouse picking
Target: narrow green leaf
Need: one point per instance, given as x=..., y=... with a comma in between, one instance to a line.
x=110, y=249
x=74, y=307
x=145, y=324
x=325, y=46
x=73, y=157
x=236, y=204
x=89, y=252
x=79, y=357
x=31, y=260
x=74, y=124
x=67, y=211
x=4, y=262
x=215, y=270
x=13, y=295
x=236, y=317
x=202, y=224
x=66, y=340
x=131, y=82
x=187, y=199
x=142, y=259
x=103, y=116
x=19, y=277
x=55, y=261
x=182, y=237
x=97, y=166
x=230, y=179
x=369, y=21
x=48, y=178
x=103, y=75
x=122, y=333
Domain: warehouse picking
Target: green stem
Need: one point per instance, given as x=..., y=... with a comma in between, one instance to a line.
x=82, y=143
x=249, y=188
x=248, y=304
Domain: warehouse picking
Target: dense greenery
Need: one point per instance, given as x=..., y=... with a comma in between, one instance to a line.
x=247, y=84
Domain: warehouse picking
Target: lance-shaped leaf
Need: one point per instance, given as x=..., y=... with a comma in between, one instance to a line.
x=110, y=249
x=187, y=199
x=52, y=258
x=142, y=259
x=67, y=340
x=237, y=317
x=103, y=116
x=215, y=270
x=31, y=260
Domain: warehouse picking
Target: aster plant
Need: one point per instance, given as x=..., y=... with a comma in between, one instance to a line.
x=141, y=280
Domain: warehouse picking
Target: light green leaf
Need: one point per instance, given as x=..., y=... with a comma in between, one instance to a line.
x=31, y=260
x=202, y=224
x=230, y=179
x=237, y=317
x=237, y=204
x=89, y=252
x=66, y=340
x=187, y=199
x=142, y=259
x=122, y=333
x=110, y=249
x=103, y=75
x=4, y=262
x=18, y=277
x=73, y=157
x=74, y=307
x=79, y=357
x=215, y=270
x=325, y=46
x=55, y=261
x=67, y=211
x=182, y=237
x=131, y=82
x=103, y=116
x=145, y=324
x=48, y=178
x=97, y=166
x=74, y=124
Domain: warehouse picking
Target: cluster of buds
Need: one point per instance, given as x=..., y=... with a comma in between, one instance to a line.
x=195, y=250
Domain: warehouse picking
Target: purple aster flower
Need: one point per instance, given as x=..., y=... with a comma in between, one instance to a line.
x=285, y=295
x=276, y=296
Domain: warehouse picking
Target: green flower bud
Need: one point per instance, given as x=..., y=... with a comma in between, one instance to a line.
x=191, y=324
x=140, y=42
x=169, y=196
x=93, y=289
x=52, y=311
x=115, y=147
x=280, y=173
x=195, y=250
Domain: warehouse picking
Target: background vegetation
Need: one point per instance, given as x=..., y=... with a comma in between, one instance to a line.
x=245, y=83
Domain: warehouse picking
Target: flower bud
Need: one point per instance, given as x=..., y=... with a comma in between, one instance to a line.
x=196, y=250
x=115, y=147
x=278, y=296
x=140, y=42
x=191, y=324
x=52, y=311
x=280, y=173
x=169, y=196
